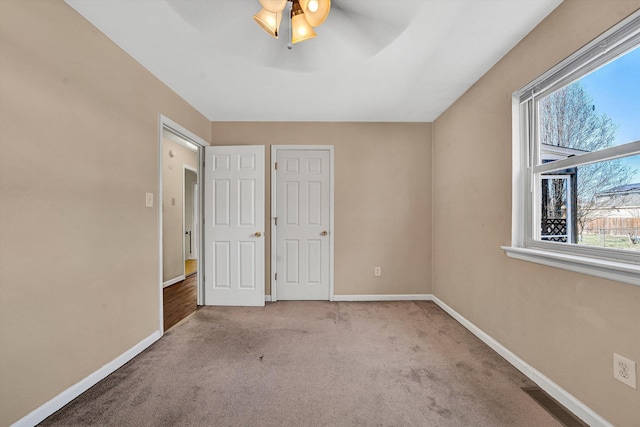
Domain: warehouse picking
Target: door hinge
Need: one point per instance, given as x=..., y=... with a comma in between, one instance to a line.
x=276, y=165
x=276, y=276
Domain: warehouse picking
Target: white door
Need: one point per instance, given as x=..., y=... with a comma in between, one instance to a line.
x=234, y=226
x=303, y=224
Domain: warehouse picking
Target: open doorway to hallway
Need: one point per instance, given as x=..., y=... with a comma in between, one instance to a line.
x=180, y=197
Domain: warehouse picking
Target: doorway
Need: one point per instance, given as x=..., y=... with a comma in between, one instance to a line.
x=302, y=223
x=180, y=159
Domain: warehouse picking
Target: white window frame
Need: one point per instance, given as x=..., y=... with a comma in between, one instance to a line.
x=613, y=264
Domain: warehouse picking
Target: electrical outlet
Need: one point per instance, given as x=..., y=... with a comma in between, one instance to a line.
x=377, y=271
x=624, y=370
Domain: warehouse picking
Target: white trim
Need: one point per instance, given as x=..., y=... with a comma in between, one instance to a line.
x=173, y=281
x=519, y=194
x=267, y=298
x=272, y=210
x=612, y=270
x=390, y=297
x=616, y=152
x=200, y=238
x=39, y=414
x=176, y=128
x=581, y=410
x=159, y=201
x=332, y=222
x=274, y=156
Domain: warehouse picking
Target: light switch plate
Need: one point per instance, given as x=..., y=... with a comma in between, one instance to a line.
x=149, y=200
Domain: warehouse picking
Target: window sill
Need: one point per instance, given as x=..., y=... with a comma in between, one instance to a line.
x=613, y=270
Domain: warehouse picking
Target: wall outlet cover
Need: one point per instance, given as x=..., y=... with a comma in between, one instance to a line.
x=624, y=370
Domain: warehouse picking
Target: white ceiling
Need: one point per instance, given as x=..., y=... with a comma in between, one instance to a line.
x=373, y=60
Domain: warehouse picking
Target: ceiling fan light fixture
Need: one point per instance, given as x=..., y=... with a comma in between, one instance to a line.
x=274, y=6
x=300, y=28
x=269, y=21
x=315, y=17
x=312, y=6
x=303, y=15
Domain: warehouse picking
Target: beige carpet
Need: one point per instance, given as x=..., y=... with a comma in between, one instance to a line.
x=312, y=364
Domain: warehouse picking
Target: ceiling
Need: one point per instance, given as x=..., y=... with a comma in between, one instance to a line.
x=372, y=61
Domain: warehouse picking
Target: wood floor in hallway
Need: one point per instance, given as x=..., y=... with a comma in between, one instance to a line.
x=179, y=300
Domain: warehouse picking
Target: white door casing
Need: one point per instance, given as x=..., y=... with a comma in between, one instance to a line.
x=194, y=221
x=302, y=208
x=234, y=225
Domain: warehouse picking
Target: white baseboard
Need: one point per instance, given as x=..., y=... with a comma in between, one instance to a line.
x=581, y=410
x=394, y=297
x=39, y=414
x=172, y=281
x=391, y=297
x=565, y=398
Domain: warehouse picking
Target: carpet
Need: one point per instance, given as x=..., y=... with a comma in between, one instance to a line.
x=312, y=364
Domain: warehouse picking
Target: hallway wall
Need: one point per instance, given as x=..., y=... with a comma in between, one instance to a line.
x=173, y=209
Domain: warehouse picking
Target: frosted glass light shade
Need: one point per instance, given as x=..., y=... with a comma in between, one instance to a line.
x=301, y=29
x=317, y=17
x=269, y=21
x=312, y=5
x=274, y=5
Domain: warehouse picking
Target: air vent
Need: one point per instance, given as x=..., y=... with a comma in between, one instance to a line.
x=552, y=406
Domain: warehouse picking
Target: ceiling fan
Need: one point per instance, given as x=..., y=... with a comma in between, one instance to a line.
x=303, y=16
x=355, y=31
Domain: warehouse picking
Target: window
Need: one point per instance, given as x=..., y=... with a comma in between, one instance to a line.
x=576, y=189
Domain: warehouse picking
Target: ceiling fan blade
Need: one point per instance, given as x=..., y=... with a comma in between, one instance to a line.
x=372, y=25
x=201, y=14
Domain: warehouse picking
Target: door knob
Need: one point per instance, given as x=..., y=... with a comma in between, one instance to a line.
x=258, y=234
x=324, y=233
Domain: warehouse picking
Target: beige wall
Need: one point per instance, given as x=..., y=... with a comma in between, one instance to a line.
x=564, y=324
x=173, y=194
x=79, y=256
x=382, y=198
x=79, y=250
